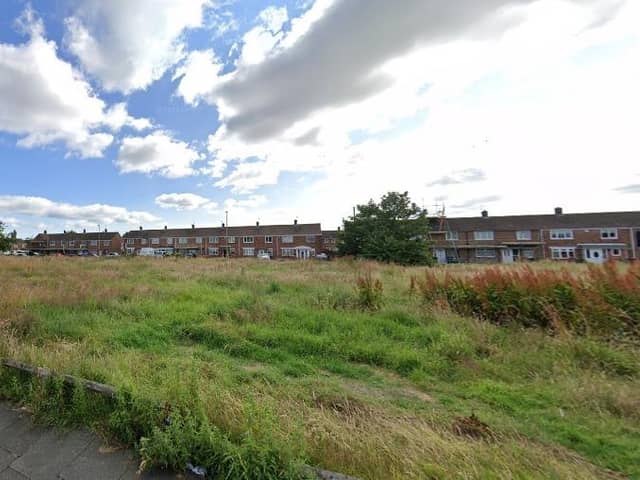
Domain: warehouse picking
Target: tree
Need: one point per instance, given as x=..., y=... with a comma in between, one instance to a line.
x=5, y=241
x=394, y=230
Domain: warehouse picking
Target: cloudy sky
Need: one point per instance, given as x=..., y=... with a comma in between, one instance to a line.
x=157, y=112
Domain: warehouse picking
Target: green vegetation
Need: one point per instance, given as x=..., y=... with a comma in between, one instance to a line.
x=5, y=241
x=394, y=230
x=255, y=368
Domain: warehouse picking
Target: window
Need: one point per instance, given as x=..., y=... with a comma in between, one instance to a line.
x=248, y=252
x=486, y=235
x=247, y=239
x=561, y=234
x=485, y=253
x=311, y=239
x=93, y=243
x=563, y=253
x=72, y=243
x=453, y=236
x=106, y=243
x=155, y=241
x=268, y=239
x=231, y=239
x=198, y=240
x=213, y=239
x=143, y=241
x=169, y=241
x=131, y=241
x=52, y=243
x=523, y=235
x=609, y=233
x=287, y=239
x=270, y=251
x=529, y=253
x=213, y=251
x=288, y=252
x=614, y=252
x=182, y=240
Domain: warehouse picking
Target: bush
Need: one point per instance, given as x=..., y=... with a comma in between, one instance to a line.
x=605, y=301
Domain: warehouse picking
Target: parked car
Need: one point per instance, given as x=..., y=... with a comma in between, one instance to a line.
x=113, y=254
x=263, y=256
x=147, y=252
x=20, y=253
x=322, y=256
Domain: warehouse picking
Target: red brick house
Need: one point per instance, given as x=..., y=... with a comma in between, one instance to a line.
x=589, y=237
x=72, y=243
x=295, y=240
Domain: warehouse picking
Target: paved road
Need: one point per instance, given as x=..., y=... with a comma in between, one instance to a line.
x=35, y=453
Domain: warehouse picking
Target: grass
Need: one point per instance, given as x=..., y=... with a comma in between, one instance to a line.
x=254, y=368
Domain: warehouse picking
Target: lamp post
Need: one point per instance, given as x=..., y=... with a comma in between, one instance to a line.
x=99, y=227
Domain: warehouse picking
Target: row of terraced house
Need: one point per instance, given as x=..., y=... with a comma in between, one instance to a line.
x=589, y=237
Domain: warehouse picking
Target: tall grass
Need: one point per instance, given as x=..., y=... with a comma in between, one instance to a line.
x=247, y=367
x=604, y=301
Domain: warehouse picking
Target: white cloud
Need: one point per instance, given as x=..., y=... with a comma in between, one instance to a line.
x=157, y=153
x=252, y=201
x=87, y=214
x=128, y=45
x=43, y=99
x=260, y=41
x=184, y=201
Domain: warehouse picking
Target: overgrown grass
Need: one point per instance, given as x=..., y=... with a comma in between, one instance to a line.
x=254, y=368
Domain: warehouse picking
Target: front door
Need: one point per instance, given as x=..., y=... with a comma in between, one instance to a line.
x=594, y=255
x=507, y=255
x=441, y=255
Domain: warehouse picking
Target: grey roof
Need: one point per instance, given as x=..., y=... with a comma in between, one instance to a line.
x=241, y=231
x=537, y=222
x=43, y=237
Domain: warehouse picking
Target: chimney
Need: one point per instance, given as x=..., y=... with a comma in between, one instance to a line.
x=257, y=224
x=165, y=227
x=558, y=210
x=141, y=228
x=339, y=228
x=64, y=231
x=193, y=226
x=84, y=230
x=45, y=232
x=295, y=222
x=485, y=214
x=222, y=224
x=105, y=230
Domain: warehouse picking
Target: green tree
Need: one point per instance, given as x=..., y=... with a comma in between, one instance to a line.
x=5, y=240
x=394, y=230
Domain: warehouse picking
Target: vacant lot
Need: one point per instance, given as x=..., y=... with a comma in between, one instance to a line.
x=253, y=368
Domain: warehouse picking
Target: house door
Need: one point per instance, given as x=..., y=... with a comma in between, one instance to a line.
x=441, y=255
x=507, y=255
x=594, y=255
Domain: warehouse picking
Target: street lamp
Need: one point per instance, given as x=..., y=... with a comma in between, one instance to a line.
x=99, y=227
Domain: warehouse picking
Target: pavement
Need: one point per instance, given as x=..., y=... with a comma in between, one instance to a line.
x=30, y=452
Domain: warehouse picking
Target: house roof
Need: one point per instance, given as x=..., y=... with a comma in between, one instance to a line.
x=43, y=237
x=537, y=222
x=240, y=231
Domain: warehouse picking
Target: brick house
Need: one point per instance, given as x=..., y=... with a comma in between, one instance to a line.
x=330, y=242
x=296, y=240
x=70, y=243
x=589, y=237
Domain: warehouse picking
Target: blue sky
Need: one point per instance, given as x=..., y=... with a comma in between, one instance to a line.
x=174, y=111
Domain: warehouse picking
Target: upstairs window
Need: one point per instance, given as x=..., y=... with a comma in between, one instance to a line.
x=131, y=241
x=523, y=235
x=609, y=234
x=311, y=238
x=155, y=241
x=483, y=235
x=52, y=243
x=106, y=243
x=247, y=239
x=213, y=240
x=561, y=234
x=93, y=243
x=198, y=240
x=452, y=236
x=287, y=239
x=182, y=240
x=268, y=239
x=231, y=239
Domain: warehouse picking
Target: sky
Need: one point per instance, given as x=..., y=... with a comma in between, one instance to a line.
x=123, y=114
